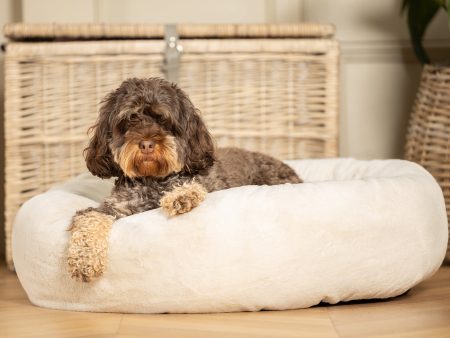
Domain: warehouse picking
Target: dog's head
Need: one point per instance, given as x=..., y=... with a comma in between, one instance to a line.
x=148, y=127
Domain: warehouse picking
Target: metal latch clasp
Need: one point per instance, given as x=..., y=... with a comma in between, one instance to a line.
x=172, y=53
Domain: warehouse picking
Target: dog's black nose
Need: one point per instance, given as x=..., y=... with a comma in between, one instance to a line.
x=147, y=146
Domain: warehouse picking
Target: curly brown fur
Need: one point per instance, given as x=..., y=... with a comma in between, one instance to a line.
x=183, y=198
x=88, y=245
x=151, y=137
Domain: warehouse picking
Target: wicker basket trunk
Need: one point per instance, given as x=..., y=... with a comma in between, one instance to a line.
x=428, y=137
x=270, y=88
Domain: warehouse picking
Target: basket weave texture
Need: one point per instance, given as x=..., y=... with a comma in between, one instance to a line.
x=267, y=92
x=428, y=137
x=27, y=31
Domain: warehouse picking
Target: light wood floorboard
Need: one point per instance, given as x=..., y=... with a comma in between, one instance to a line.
x=422, y=312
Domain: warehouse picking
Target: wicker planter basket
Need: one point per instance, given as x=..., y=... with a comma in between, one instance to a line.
x=271, y=88
x=428, y=137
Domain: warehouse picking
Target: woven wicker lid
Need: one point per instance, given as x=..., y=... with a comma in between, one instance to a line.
x=91, y=31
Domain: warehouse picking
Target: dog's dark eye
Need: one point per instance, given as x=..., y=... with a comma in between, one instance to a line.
x=122, y=126
x=134, y=117
x=162, y=120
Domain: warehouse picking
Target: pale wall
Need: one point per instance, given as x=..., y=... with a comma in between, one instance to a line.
x=379, y=74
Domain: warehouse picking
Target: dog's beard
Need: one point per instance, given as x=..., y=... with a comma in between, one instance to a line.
x=160, y=163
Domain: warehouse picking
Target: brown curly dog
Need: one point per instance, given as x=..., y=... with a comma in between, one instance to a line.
x=151, y=137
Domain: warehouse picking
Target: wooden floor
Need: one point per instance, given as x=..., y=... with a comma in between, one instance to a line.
x=423, y=312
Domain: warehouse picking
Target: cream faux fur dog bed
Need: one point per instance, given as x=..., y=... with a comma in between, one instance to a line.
x=354, y=230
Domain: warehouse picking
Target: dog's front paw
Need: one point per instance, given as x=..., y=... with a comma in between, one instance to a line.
x=85, y=265
x=183, y=198
x=88, y=247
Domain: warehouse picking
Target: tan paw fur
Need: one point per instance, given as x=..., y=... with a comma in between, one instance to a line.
x=88, y=246
x=183, y=198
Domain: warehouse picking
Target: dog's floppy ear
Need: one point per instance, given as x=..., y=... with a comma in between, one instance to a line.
x=99, y=159
x=199, y=152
